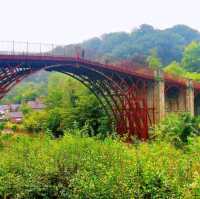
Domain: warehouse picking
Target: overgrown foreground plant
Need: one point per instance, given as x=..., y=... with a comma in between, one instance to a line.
x=75, y=167
x=178, y=129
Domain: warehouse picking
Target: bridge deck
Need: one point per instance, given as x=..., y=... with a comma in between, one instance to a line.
x=129, y=69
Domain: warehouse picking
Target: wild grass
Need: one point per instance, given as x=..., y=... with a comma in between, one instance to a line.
x=84, y=167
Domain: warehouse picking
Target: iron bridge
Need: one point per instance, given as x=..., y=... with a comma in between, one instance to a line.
x=122, y=89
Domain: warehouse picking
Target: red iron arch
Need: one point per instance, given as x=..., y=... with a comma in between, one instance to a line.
x=122, y=95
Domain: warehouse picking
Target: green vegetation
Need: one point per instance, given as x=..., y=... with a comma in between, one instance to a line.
x=178, y=129
x=175, y=69
x=175, y=49
x=169, y=44
x=82, y=167
x=69, y=106
x=191, y=59
x=189, y=65
x=77, y=165
x=153, y=60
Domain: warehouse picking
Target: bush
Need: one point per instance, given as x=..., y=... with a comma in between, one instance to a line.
x=75, y=167
x=35, y=121
x=2, y=126
x=54, y=120
x=14, y=128
x=178, y=128
x=46, y=120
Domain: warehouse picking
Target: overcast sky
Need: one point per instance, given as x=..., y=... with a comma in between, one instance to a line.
x=71, y=21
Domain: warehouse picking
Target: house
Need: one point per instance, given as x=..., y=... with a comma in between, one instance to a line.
x=14, y=107
x=36, y=105
x=2, y=115
x=15, y=117
x=11, y=112
x=9, y=108
x=4, y=108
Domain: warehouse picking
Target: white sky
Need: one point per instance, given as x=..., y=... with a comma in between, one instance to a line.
x=72, y=21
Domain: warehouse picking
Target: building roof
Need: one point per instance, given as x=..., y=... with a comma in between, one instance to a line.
x=9, y=107
x=15, y=115
x=14, y=106
x=36, y=105
x=4, y=107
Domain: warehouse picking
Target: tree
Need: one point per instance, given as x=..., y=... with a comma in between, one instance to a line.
x=153, y=60
x=186, y=32
x=36, y=121
x=69, y=102
x=87, y=114
x=191, y=57
x=25, y=108
x=54, y=121
x=169, y=43
x=175, y=68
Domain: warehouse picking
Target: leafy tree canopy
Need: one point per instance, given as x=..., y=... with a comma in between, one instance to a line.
x=175, y=69
x=191, y=57
x=153, y=60
x=169, y=43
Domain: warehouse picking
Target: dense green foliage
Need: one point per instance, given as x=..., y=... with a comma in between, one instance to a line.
x=169, y=43
x=189, y=65
x=176, y=69
x=191, y=57
x=177, y=129
x=75, y=167
x=153, y=60
x=69, y=105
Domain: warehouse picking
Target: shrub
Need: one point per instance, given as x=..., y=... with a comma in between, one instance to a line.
x=178, y=128
x=35, y=121
x=14, y=128
x=54, y=120
x=82, y=167
x=2, y=126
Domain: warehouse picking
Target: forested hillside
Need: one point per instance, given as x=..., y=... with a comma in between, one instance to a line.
x=138, y=43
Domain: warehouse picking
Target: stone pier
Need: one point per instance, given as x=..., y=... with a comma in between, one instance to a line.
x=165, y=97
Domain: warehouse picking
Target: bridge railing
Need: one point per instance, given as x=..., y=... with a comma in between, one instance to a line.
x=27, y=48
